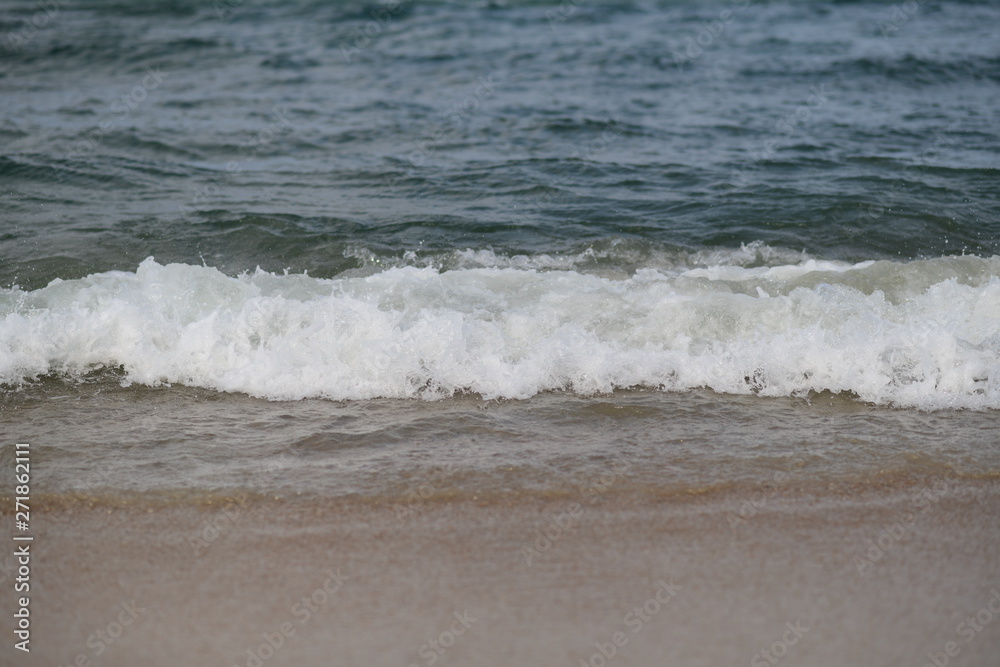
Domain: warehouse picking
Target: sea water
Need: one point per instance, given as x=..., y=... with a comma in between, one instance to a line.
x=346, y=248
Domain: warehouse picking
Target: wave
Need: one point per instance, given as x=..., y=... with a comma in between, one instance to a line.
x=922, y=334
x=615, y=257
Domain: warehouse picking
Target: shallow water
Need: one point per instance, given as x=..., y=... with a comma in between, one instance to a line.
x=503, y=244
x=101, y=440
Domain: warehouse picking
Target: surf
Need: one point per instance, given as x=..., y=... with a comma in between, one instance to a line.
x=921, y=334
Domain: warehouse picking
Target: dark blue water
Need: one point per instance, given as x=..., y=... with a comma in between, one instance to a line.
x=283, y=135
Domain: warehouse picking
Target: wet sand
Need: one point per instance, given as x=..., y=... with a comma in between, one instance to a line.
x=724, y=578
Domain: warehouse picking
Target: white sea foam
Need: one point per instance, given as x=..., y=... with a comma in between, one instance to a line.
x=615, y=258
x=922, y=334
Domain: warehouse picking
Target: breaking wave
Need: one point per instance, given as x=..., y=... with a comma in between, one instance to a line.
x=923, y=334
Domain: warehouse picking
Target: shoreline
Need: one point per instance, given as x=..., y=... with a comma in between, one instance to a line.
x=619, y=479
x=548, y=581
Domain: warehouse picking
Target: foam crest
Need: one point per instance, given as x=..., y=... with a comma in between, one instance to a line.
x=922, y=334
x=616, y=258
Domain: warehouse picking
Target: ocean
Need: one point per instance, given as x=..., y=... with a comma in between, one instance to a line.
x=354, y=249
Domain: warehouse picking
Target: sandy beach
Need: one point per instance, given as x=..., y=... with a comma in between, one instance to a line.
x=516, y=332
x=896, y=575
